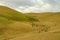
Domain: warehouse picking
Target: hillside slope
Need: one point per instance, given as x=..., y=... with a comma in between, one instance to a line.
x=51, y=20
x=52, y=35
x=13, y=23
x=17, y=26
x=48, y=19
x=11, y=14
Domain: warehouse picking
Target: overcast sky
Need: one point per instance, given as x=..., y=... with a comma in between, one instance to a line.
x=33, y=5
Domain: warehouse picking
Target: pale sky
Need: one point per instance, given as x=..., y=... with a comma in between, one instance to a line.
x=32, y=5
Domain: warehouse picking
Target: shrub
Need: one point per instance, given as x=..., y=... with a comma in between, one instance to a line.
x=43, y=28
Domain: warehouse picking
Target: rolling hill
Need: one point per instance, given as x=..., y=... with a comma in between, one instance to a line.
x=17, y=26
x=11, y=14
x=13, y=23
x=51, y=19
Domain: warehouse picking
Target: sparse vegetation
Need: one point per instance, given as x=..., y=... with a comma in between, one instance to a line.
x=32, y=20
x=13, y=24
x=9, y=17
x=44, y=28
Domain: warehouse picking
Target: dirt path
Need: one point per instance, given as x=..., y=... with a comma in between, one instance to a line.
x=32, y=34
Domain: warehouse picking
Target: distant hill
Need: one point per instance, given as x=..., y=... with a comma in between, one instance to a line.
x=11, y=14
x=6, y=9
x=51, y=19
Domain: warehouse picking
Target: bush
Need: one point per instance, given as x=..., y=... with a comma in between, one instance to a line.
x=43, y=28
x=32, y=20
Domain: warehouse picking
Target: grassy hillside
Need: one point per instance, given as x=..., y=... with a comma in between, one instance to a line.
x=55, y=35
x=11, y=14
x=51, y=21
x=48, y=19
x=13, y=23
x=33, y=26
